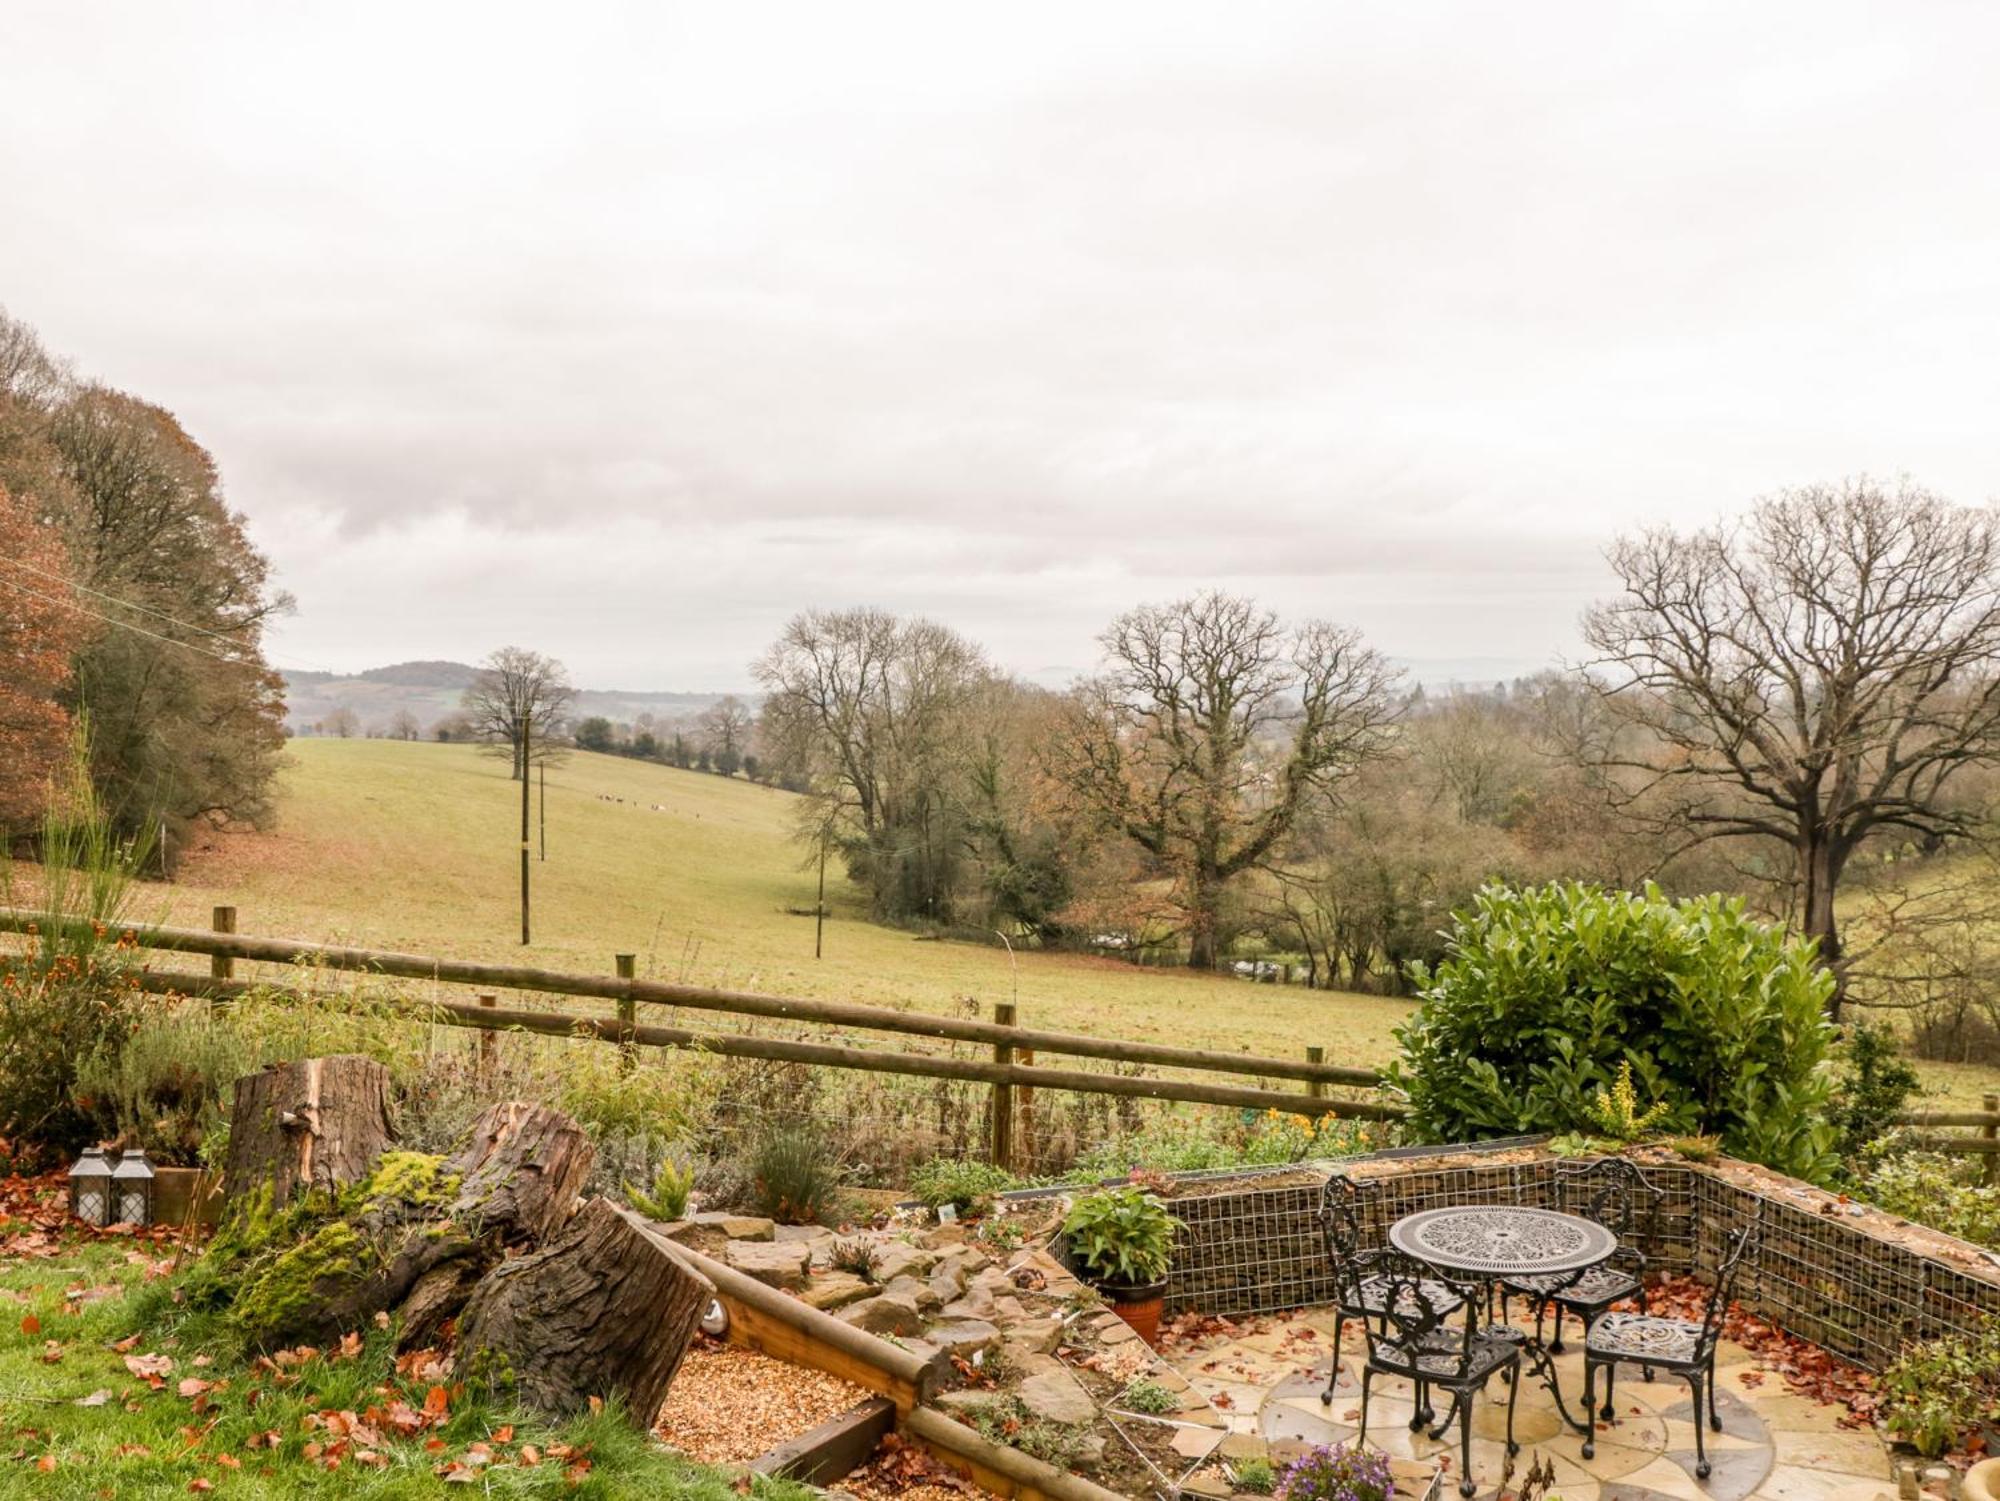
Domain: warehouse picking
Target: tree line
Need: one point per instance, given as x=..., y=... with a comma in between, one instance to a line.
x=1800, y=706
x=131, y=602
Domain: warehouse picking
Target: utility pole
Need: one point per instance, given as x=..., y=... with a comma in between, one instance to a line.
x=526, y=792
x=542, y=776
x=819, y=908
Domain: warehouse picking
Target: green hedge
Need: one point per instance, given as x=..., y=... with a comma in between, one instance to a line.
x=1544, y=992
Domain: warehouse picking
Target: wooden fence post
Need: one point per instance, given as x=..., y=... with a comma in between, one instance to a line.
x=221, y=966
x=1316, y=1088
x=489, y=1046
x=1003, y=1094
x=1991, y=1131
x=628, y=1013
x=1024, y=1145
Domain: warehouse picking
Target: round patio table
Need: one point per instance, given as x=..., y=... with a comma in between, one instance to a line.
x=1488, y=1242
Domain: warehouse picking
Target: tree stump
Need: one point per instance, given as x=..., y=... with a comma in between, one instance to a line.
x=521, y=1171
x=606, y=1309
x=318, y=1123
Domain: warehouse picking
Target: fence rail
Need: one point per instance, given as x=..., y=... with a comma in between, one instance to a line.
x=1014, y=1047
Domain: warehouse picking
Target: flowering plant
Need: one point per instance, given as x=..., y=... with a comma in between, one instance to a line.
x=1337, y=1473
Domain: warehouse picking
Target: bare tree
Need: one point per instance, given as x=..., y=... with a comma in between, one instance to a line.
x=342, y=723
x=725, y=727
x=871, y=711
x=403, y=726
x=1213, y=728
x=1812, y=676
x=518, y=702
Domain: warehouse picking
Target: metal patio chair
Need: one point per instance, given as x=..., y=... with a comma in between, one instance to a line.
x=1680, y=1347
x=1617, y=1194
x=1350, y=1215
x=1418, y=1340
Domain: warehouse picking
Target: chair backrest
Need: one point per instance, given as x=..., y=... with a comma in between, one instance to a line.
x=1739, y=1250
x=1617, y=1194
x=1350, y=1216
x=1417, y=1302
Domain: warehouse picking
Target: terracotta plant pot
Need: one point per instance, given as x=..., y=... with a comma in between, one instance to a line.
x=1139, y=1306
x=186, y=1196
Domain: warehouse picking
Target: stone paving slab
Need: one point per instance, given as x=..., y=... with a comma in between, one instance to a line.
x=1774, y=1444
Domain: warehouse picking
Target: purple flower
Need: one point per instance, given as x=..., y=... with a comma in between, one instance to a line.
x=1337, y=1473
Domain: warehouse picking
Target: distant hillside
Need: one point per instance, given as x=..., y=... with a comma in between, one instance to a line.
x=431, y=690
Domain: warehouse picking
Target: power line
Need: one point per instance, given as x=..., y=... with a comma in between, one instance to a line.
x=186, y=625
x=127, y=604
x=123, y=625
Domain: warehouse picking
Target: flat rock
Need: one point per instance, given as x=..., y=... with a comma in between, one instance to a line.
x=836, y=1290
x=901, y=1259
x=971, y=1399
x=974, y=1305
x=1053, y=1394
x=1039, y=1335
x=779, y=1265
x=919, y=1293
x=885, y=1314
x=962, y=1338
x=737, y=1226
x=811, y=1234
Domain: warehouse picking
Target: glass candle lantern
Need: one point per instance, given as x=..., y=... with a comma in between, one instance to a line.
x=90, y=1191
x=132, y=1188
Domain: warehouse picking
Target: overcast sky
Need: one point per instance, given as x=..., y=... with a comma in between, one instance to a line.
x=625, y=333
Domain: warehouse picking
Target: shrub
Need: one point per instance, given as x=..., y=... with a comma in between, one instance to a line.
x=1931, y=1189
x=965, y=1184
x=1337, y=1473
x=669, y=1199
x=794, y=1177
x=1009, y=1422
x=1941, y=1392
x=1121, y=1236
x=167, y=1087
x=1546, y=992
x=1874, y=1087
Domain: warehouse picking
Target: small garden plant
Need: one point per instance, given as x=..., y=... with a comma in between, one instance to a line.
x=857, y=1258
x=1338, y=1473
x=1941, y=1394
x=669, y=1199
x=1121, y=1236
x=1150, y=1398
x=1255, y=1475
x=967, y=1185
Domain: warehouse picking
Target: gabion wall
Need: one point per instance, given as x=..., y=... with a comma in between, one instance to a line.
x=1254, y=1250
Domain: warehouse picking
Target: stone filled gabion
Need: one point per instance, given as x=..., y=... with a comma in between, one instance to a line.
x=1823, y=1277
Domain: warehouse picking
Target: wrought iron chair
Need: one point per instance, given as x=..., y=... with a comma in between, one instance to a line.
x=1680, y=1347
x=1414, y=1340
x=1350, y=1215
x=1617, y=1194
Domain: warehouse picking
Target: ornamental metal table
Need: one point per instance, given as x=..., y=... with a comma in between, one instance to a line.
x=1487, y=1242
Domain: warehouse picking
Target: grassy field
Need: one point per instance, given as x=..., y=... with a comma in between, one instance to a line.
x=414, y=846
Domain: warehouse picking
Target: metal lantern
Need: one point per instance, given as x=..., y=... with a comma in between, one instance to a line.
x=90, y=1187
x=132, y=1183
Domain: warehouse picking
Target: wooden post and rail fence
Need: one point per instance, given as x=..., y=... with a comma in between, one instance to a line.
x=1013, y=1073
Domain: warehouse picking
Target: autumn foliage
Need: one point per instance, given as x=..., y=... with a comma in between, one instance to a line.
x=41, y=629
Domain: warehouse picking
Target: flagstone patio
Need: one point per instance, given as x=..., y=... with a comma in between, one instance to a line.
x=1265, y=1376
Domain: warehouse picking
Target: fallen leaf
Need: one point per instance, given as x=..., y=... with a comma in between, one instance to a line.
x=96, y=1399
x=31, y=1326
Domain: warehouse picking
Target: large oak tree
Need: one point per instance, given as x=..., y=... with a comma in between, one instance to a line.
x=1211, y=730
x=1811, y=676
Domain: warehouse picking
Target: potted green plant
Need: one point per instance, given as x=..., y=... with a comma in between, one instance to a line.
x=1122, y=1240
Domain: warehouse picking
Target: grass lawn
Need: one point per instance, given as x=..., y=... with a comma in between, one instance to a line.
x=85, y=1317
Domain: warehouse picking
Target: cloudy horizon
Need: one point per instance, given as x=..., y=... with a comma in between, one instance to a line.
x=628, y=335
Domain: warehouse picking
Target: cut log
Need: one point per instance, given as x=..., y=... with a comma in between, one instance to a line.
x=520, y=1171
x=320, y=1123
x=606, y=1309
